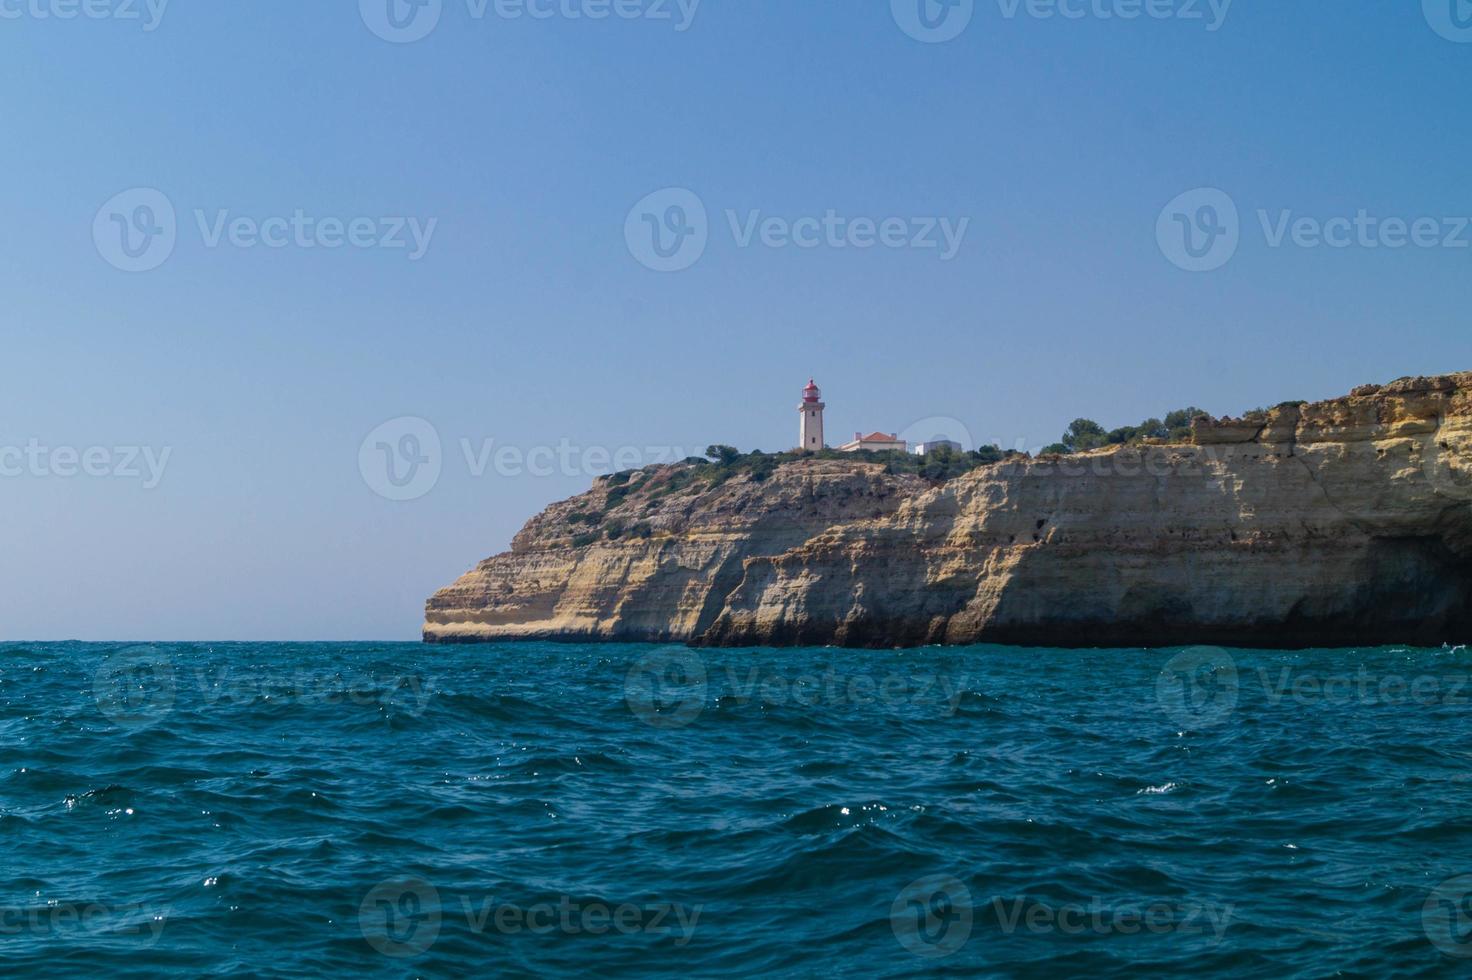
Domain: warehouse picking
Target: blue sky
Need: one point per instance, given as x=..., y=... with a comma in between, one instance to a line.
x=523, y=145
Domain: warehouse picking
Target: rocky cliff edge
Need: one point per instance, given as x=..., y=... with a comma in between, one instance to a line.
x=1331, y=523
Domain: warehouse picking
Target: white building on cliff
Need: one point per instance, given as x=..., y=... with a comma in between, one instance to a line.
x=874, y=442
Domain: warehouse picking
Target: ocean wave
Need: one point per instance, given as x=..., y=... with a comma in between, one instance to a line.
x=272, y=824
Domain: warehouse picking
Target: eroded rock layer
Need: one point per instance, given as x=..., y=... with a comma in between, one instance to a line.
x=1332, y=523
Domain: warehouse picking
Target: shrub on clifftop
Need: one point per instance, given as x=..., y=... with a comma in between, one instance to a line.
x=1086, y=434
x=723, y=455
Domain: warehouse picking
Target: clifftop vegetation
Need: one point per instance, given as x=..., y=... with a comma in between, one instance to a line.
x=1085, y=434
x=937, y=466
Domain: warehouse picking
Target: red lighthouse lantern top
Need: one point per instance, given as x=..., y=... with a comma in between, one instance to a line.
x=811, y=392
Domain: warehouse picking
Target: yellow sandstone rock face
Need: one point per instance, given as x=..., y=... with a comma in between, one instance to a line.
x=1339, y=522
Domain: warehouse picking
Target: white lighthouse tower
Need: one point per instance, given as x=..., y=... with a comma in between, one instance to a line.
x=811, y=411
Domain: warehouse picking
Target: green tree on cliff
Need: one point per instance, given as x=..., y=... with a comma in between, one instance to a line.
x=725, y=455
x=1152, y=429
x=1085, y=434
x=1178, y=423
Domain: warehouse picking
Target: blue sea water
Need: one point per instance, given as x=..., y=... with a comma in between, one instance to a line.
x=398, y=810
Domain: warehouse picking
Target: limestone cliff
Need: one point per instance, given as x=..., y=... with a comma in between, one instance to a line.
x=1340, y=522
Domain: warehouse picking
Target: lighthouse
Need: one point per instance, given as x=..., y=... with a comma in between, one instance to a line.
x=811, y=410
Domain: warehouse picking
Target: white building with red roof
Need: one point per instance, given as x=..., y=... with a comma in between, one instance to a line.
x=875, y=442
